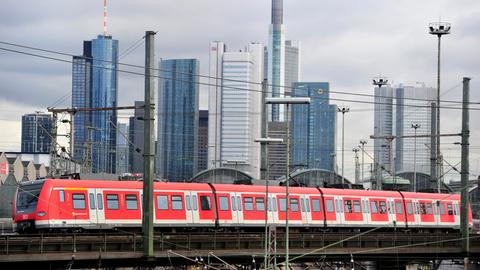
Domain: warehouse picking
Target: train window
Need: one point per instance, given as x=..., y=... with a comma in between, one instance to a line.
x=162, y=202
x=307, y=205
x=399, y=208
x=329, y=205
x=442, y=209
x=205, y=203
x=223, y=200
x=423, y=209
x=234, y=205
x=383, y=207
x=260, y=202
x=282, y=203
x=356, y=206
x=91, y=197
x=248, y=203
x=177, y=202
x=409, y=208
x=187, y=202
x=316, y=205
x=374, y=207
x=239, y=204
x=78, y=201
x=131, y=201
x=112, y=201
x=302, y=204
x=294, y=205
x=450, y=209
x=61, y=194
x=100, y=201
x=429, y=209
x=194, y=201
x=348, y=206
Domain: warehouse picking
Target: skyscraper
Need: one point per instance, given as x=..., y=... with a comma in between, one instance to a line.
x=413, y=107
x=202, y=141
x=276, y=59
x=178, y=101
x=314, y=127
x=95, y=85
x=396, y=109
x=235, y=107
x=137, y=138
x=292, y=65
x=36, y=129
x=122, y=148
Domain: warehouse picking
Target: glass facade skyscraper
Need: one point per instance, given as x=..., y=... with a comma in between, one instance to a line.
x=36, y=129
x=95, y=85
x=314, y=127
x=178, y=101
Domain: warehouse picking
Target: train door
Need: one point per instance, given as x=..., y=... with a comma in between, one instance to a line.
x=189, y=209
x=92, y=203
x=234, y=208
x=339, y=213
x=305, y=210
x=366, y=211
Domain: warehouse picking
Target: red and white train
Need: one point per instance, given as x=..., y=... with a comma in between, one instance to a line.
x=93, y=204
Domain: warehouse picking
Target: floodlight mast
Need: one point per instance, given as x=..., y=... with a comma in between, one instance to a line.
x=380, y=81
x=439, y=29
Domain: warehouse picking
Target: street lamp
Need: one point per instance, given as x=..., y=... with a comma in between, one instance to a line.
x=264, y=142
x=287, y=101
x=343, y=110
x=415, y=127
x=362, y=143
x=439, y=29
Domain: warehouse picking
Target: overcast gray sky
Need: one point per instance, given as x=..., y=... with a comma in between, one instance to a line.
x=343, y=42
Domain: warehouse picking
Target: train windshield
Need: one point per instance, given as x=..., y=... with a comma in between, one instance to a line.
x=27, y=198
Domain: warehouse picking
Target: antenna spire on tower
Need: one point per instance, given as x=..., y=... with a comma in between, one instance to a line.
x=105, y=17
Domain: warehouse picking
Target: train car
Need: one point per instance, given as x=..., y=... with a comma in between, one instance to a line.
x=56, y=204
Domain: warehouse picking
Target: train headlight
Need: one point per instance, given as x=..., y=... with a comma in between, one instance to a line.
x=41, y=214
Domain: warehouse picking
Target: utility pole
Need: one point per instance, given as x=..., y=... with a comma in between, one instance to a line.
x=149, y=149
x=357, y=166
x=433, y=149
x=53, y=147
x=343, y=110
x=465, y=168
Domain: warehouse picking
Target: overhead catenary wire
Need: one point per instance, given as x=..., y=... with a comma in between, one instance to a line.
x=225, y=79
x=229, y=87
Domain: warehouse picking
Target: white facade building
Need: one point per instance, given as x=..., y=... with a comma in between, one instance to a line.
x=235, y=108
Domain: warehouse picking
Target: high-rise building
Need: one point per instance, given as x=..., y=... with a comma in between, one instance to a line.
x=396, y=109
x=276, y=60
x=178, y=101
x=413, y=107
x=136, y=136
x=122, y=148
x=313, y=127
x=95, y=85
x=292, y=65
x=235, y=107
x=277, y=152
x=202, y=140
x=36, y=136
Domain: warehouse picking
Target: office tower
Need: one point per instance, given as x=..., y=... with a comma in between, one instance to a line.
x=122, y=148
x=413, y=106
x=235, y=107
x=313, y=127
x=292, y=65
x=277, y=152
x=202, y=141
x=36, y=128
x=178, y=101
x=95, y=85
x=137, y=138
x=276, y=60
x=383, y=126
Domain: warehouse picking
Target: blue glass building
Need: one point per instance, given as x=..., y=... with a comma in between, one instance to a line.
x=36, y=136
x=95, y=85
x=178, y=119
x=313, y=127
